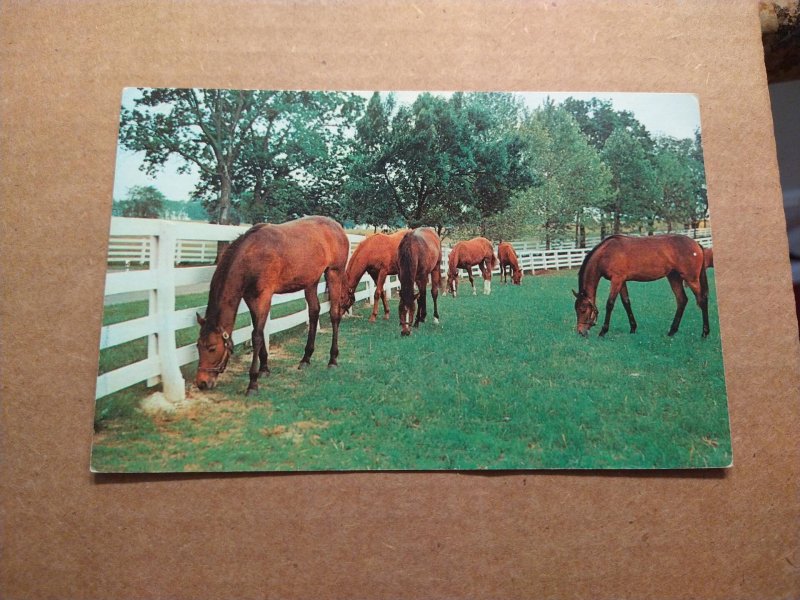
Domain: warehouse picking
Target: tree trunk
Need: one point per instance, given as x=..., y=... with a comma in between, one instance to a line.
x=617, y=223
x=225, y=199
x=582, y=239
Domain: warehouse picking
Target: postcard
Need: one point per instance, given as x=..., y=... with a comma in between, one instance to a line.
x=377, y=280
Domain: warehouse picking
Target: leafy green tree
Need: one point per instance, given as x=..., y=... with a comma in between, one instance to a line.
x=439, y=162
x=144, y=202
x=573, y=175
x=243, y=140
x=598, y=119
x=675, y=178
x=635, y=197
x=205, y=128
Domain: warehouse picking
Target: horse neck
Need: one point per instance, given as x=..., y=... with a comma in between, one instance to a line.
x=452, y=263
x=356, y=269
x=591, y=277
x=223, y=301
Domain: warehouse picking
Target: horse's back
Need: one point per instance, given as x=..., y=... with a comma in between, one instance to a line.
x=505, y=252
x=425, y=244
x=651, y=257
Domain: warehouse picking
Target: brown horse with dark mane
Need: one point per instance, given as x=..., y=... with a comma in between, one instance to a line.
x=621, y=258
x=508, y=259
x=467, y=254
x=419, y=256
x=268, y=260
x=376, y=255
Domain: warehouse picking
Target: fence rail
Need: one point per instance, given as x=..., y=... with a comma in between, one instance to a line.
x=161, y=245
x=133, y=249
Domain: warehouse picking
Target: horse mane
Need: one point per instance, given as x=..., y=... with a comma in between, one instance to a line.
x=407, y=260
x=589, y=256
x=218, y=280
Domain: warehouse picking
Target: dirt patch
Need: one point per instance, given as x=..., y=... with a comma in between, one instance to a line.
x=296, y=432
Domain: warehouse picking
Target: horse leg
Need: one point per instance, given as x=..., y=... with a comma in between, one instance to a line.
x=436, y=282
x=676, y=282
x=612, y=297
x=380, y=294
x=700, y=290
x=626, y=302
x=471, y=280
x=313, y=319
x=336, y=281
x=259, y=311
x=422, y=311
x=263, y=367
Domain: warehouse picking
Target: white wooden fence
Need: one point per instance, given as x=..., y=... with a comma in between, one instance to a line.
x=135, y=249
x=162, y=244
x=160, y=281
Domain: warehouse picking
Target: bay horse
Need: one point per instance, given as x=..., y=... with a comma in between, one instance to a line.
x=376, y=255
x=621, y=258
x=419, y=256
x=467, y=254
x=267, y=260
x=508, y=258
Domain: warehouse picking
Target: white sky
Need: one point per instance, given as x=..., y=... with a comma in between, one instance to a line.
x=676, y=115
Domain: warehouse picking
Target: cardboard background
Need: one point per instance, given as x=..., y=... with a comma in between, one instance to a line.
x=68, y=534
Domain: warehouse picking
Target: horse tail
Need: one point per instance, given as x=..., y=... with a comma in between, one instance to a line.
x=494, y=261
x=407, y=261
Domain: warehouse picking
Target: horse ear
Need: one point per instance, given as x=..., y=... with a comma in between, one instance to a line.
x=200, y=320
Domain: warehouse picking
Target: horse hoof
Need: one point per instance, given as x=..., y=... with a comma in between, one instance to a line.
x=405, y=333
x=372, y=319
x=435, y=320
x=333, y=365
x=386, y=317
x=303, y=364
x=251, y=391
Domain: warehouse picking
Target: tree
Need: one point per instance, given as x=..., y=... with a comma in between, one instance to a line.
x=144, y=202
x=205, y=128
x=675, y=178
x=573, y=175
x=439, y=162
x=635, y=195
x=257, y=139
x=598, y=119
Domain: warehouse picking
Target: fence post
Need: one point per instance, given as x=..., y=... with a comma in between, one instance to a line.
x=171, y=377
x=152, y=339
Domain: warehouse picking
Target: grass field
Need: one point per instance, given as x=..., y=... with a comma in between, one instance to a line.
x=503, y=383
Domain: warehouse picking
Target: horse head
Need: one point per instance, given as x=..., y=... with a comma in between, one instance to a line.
x=516, y=277
x=215, y=347
x=348, y=298
x=452, y=283
x=586, y=311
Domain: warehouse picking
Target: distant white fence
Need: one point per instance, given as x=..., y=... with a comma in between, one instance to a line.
x=161, y=245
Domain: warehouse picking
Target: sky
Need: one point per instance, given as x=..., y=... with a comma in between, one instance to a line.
x=676, y=115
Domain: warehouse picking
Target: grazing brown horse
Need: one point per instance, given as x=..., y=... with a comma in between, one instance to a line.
x=267, y=260
x=621, y=258
x=508, y=258
x=376, y=255
x=419, y=255
x=465, y=255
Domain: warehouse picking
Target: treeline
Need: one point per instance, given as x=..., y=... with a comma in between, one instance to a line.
x=147, y=202
x=465, y=164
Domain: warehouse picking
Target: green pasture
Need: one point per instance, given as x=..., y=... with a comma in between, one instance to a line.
x=504, y=382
